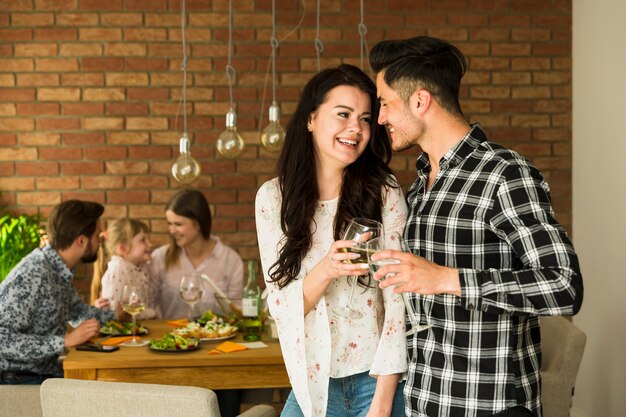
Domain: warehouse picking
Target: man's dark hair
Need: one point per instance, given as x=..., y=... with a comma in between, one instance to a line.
x=422, y=62
x=71, y=219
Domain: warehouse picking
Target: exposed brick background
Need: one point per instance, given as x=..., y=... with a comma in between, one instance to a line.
x=90, y=93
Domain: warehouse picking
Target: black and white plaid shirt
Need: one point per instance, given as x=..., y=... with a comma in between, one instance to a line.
x=488, y=214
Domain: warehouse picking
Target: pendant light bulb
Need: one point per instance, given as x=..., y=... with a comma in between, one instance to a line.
x=186, y=169
x=230, y=144
x=273, y=135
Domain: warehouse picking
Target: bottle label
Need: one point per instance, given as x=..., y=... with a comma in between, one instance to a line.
x=250, y=307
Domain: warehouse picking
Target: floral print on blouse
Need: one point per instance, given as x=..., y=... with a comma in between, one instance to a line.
x=122, y=272
x=37, y=301
x=321, y=345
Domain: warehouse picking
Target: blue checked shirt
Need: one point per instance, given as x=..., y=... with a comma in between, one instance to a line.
x=488, y=214
x=37, y=301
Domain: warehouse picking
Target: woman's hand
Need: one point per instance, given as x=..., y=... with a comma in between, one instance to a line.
x=334, y=265
x=337, y=264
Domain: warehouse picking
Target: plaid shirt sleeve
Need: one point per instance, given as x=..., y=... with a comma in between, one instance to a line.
x=546, y=280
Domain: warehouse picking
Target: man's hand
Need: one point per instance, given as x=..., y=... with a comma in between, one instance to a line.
x=85, y=331
x=416, y=274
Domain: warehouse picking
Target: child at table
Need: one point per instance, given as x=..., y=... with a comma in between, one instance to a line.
x=122, y=260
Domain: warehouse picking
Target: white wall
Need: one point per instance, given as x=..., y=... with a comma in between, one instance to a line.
x=599, y=196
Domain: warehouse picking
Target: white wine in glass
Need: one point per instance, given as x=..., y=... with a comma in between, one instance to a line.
x=359, y=230
x=133, y=303
x=394, y=241
x=191, y=291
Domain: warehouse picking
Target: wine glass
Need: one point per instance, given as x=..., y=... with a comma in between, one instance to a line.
x=191, y=291
x=359, y=230
x=133, y=303
x=394, y=241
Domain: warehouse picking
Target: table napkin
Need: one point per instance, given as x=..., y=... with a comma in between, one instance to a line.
x=227, y=347
x=254, y=345
x=178, y=322
x=117, y=340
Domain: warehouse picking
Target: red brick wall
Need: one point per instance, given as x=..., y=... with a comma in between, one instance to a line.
x=90, y=92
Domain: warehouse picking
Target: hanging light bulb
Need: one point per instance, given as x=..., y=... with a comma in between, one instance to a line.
x=186, y=169
x=273, y=135
x=230, y=144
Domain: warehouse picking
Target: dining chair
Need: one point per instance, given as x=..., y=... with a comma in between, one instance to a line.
x=20, y=401
x=562, y=347
x=78, y=398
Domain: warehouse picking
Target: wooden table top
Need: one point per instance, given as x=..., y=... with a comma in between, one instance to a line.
x=252, y=368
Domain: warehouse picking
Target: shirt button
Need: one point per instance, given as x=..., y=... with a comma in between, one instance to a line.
x=470, y=306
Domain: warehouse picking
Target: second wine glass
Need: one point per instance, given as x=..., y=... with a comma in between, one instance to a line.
x=394, y=241
x=359, y=230
x=191, y=291
x=133, y=303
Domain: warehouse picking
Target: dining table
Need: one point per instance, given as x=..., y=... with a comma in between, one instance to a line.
x=251, y=368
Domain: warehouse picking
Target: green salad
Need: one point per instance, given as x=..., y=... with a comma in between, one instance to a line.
x=173, y=342
x=118, y=328
x=210, y=317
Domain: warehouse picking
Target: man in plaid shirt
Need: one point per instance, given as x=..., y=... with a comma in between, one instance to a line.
x=488, y=255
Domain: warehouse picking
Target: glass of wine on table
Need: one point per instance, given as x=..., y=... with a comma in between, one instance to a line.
x=191, y=291
x=133, y=302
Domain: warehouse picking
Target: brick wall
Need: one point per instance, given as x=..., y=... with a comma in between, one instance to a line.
x=90, y=93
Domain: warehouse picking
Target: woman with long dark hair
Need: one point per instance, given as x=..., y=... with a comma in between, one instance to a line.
x=333, y=167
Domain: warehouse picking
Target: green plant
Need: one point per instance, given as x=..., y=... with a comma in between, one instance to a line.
x=19, y=235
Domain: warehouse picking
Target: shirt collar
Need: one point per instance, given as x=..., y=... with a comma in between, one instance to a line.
x=56, y=263
x=458, y=153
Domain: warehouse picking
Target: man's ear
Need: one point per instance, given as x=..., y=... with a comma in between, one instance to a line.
x=420, y=101
x=81, y=240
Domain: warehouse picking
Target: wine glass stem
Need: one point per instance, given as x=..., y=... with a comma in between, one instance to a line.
x=409, y=309
x=134, y=329
x=349, y=305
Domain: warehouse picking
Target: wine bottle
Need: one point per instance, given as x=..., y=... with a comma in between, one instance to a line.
x=251, y=306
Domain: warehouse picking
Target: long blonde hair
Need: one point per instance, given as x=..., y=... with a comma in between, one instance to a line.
x=120, y=231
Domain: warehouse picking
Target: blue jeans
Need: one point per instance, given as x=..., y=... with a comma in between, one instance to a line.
x=24, y=378
x=348, y=397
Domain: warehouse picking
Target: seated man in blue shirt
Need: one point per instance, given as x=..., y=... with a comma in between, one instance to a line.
x=38, y=300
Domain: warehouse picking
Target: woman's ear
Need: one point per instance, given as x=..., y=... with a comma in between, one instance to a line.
x=309, y=124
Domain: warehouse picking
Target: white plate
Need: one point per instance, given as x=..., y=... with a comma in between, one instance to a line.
x=212, y=339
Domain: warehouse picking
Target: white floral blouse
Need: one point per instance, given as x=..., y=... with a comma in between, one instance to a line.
x=321, y=345
x=121, y=272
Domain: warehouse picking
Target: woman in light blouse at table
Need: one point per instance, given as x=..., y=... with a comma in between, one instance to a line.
x=193, y=248
x=332, y=168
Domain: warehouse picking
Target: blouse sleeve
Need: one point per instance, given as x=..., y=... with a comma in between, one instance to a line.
x=391, y=353
x=112, y=287
x=156, y=272
x=235, y=273
x=286, y=306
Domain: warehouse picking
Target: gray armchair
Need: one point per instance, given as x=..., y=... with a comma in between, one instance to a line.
x=562, y=346
x=78, y=398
